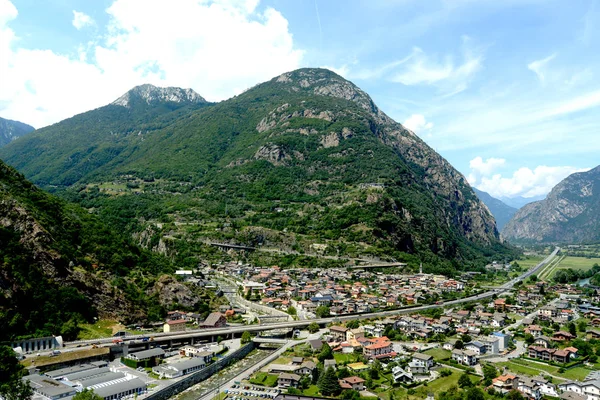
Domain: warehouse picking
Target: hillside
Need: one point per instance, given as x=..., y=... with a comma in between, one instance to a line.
x=10, y=130
x=502, y=212
x=303, y=161
x=62, y=266
x=569, y=214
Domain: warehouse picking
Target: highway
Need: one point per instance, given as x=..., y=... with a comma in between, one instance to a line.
x=224, y=332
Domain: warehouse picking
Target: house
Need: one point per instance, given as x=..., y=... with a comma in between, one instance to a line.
x=329, y=364
x=503, y=340
x=500, y=304
x=464, y=357
x=214, y=320
x=543, y=341
x=401, y=376
x=379, y=348
x=192, y=351
x=547, y=354
x=562, y=336
x=174, y=326
x=315, y=344
x=589, y=388
x=505, y=383
x=477, y=347
x=593, y=334
x=353, y=382
x=492, y=345
x=534, y=330
x=540, y=352
x=420, y=364
x=338, y=333
x=286, y=380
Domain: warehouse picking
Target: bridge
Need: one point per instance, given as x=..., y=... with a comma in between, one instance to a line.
x=386, y=265
x=213, y=333
x=233, y=246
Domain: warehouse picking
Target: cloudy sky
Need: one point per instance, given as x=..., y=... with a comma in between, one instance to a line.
x=507, y=91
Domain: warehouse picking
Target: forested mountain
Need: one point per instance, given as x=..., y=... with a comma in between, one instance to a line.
x=569, y=214
x=10, y=130
x=501, y=212
x=59, y=266
x=303, y=161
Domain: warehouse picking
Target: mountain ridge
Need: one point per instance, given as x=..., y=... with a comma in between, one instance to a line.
x=11, y=130
x=569, y=214
x=501, y=211
x=307, y=142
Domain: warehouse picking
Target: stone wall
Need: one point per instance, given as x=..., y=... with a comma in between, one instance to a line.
x=203, y=374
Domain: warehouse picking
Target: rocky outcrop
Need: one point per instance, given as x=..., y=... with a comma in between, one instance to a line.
x=569, y=214
x=170, y=291
x=151, y=94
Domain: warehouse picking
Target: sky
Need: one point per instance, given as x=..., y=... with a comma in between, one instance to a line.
x=507, y=91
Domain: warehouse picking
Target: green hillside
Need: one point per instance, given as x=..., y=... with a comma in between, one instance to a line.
x=302, y=160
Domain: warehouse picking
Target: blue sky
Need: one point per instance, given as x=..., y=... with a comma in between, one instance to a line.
x=506, y=90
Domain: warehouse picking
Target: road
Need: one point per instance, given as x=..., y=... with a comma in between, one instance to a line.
x=199, y=333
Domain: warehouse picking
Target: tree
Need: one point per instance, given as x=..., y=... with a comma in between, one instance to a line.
x=315, y=375
x=489, y=373
x=474, y=393
x=529, y=339
x=464, y=381
x=459, y=344
x=352, y=324
x=572, y=329
x=12, y=387
x=326, y=353
x=328, y=383
x=322, y=312
x=313, y=327
x=353, y=395
x=582, y=326
x=87, y=394
x=514, y=395
x=292, y=310
x=466, y=338
x=246, y=337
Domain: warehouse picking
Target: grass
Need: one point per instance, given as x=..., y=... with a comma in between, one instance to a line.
x=578, y=263
x=533, y=368
x=100, y=329
x=437, y=386
x=63, y=357
x=283, y=360
x=438, y=353
x=264, y=379
x=312, y=390
x=341, y=358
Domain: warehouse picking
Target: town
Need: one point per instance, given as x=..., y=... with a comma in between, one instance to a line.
x=309, y=333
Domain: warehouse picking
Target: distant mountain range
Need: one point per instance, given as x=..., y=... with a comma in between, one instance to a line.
x=569, y=214
x=519, y=201
x=11, y=130
x=501, y=212
x=304, y=159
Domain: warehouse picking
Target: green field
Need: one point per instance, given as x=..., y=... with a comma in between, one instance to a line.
x=341, y=358
x=533, y=368
x=264, y=379
x=438, y=353
x=530, y=261
x=579, y=263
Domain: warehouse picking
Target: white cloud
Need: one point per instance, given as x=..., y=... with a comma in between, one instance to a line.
x=417, y=123
x=81, y=20
x=423, y=69
x=219, y=49
x=485, y=168
x=539, y=67
x=526, y=182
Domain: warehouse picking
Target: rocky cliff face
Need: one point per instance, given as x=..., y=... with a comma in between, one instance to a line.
x=11, y=130
x=151, y=94
x=501, y=211
x=569, y=214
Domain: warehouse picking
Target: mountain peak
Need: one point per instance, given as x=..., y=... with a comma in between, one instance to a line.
x=151, y=94
x=323, y=82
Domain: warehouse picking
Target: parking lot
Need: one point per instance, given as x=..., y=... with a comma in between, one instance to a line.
x=251, y=392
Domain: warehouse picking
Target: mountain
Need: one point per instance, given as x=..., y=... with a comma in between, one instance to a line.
x=10, y=130
x=501, y=212
x=569, y=214
x=304, y=161
x=64, y=153
x=61, y=266
x=519, y=201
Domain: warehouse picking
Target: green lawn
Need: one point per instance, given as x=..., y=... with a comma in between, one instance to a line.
x=438, y=353
x=577, y=373
x=533, y=368
x=437, y=386
x=581, y=263
x=313, y=390
x=100, y=329
x=341, y=358
x=264, y=379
